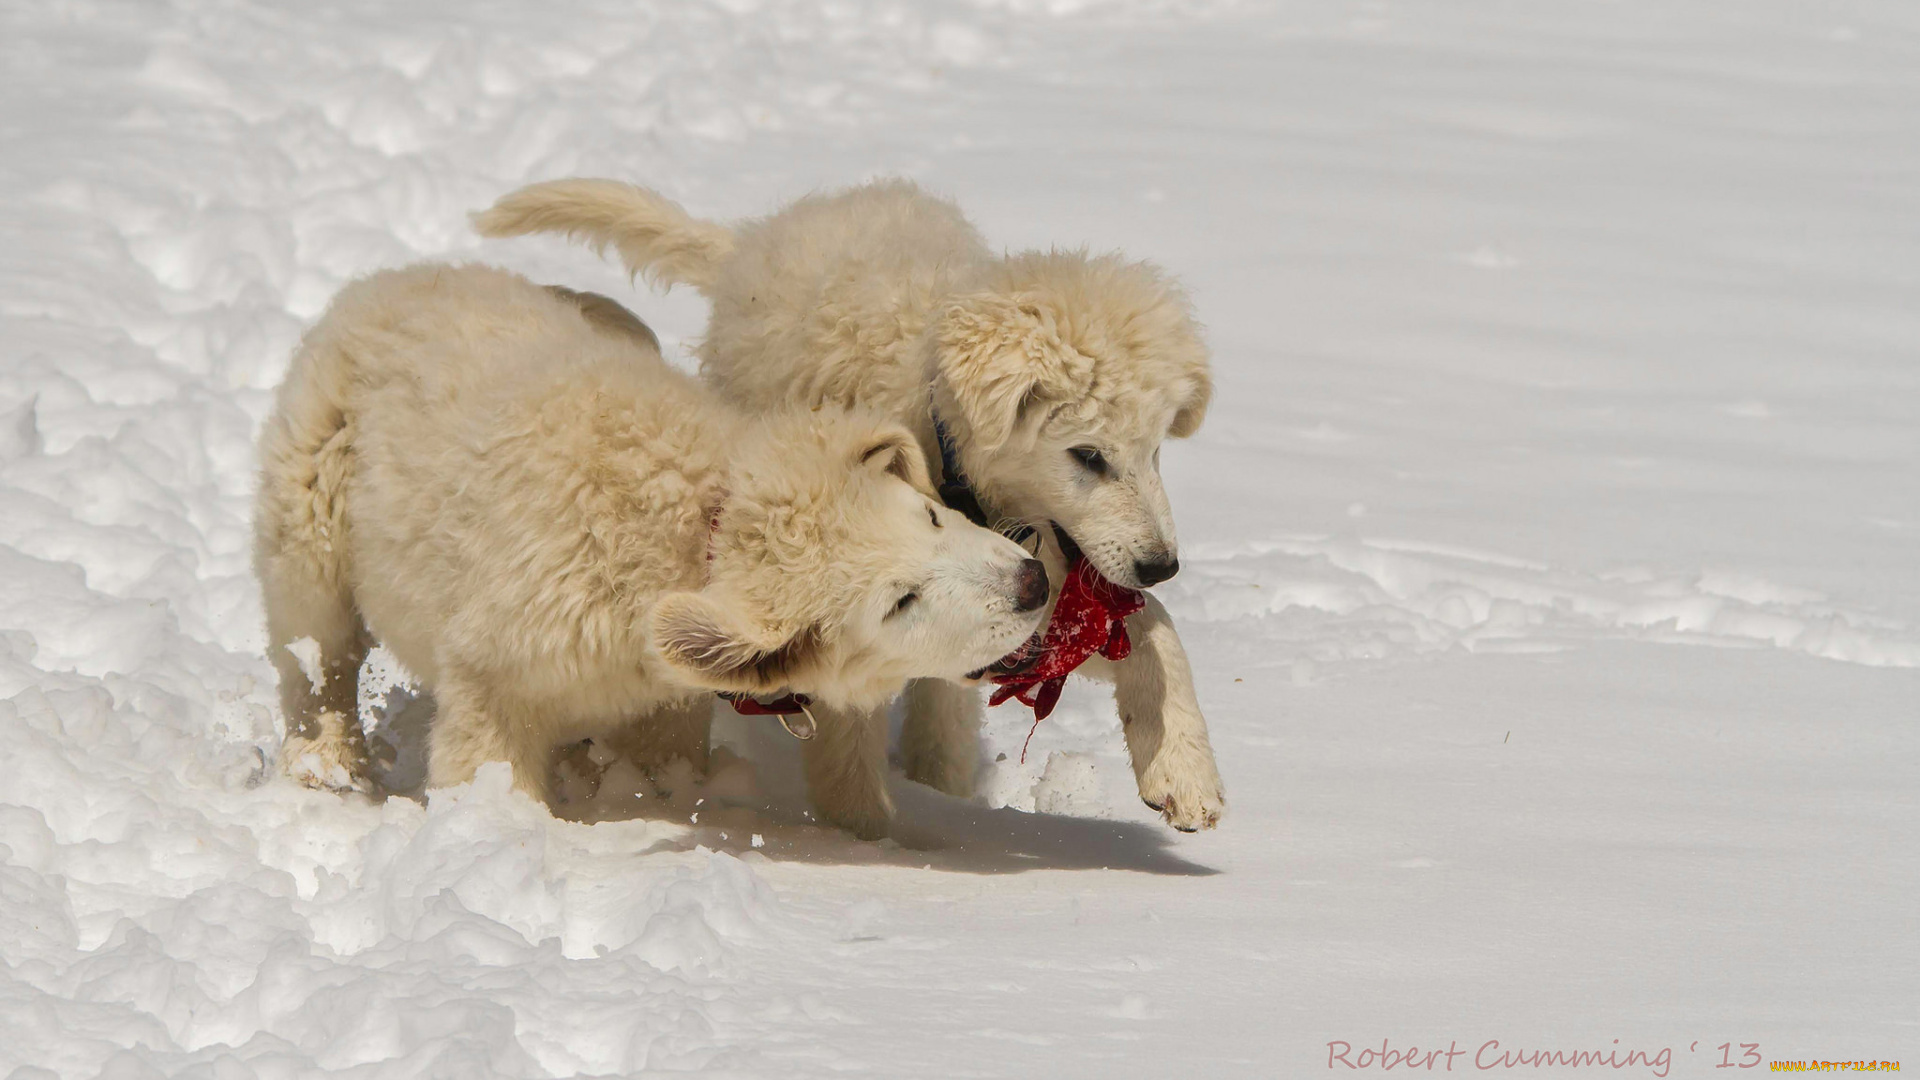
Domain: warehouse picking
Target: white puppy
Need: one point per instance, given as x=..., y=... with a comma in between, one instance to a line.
x=557, y=534
x=1056, y=376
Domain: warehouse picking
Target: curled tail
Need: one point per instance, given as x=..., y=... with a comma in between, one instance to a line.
x=656, y=239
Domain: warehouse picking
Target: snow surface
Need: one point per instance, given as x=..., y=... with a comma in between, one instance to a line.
x=1551, y=572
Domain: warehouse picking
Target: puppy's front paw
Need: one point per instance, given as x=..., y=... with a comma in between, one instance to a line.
x=867, y=819
x=1187, y=795
x=940, y=769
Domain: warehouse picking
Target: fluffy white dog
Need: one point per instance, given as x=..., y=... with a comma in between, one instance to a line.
x=1054, y=376
x=559, y=535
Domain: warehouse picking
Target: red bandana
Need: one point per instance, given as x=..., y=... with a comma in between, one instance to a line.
x=1090, y=617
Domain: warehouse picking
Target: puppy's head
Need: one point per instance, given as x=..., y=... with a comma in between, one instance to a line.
x=1059, y=382
x=836, y=573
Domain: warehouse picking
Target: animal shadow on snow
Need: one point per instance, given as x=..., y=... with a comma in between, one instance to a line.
x=754, y=790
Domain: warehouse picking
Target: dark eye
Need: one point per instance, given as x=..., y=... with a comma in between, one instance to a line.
x=933, y=517
x=904, y=603
x=1094, y=461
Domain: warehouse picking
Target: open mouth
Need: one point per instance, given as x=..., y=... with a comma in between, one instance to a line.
x=1068, y=548
x=1030, y=651
x=1017, y=661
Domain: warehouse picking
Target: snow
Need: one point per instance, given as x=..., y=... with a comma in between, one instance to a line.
x=307, y=652
x=1069, y=785
x=1550, y=568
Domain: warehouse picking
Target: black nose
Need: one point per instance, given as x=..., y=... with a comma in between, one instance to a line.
x=1153, y=573
x=1033, y=585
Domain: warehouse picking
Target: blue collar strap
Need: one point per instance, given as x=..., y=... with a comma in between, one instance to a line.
x=954, y=489
x=958, y=494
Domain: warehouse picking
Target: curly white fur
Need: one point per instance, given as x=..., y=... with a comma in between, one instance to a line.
x=558, y=534
x=885, y=297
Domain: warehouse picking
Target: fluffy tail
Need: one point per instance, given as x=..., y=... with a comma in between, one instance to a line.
x=655, y=238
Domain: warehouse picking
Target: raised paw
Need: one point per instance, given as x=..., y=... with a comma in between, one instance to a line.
x=1189, y=801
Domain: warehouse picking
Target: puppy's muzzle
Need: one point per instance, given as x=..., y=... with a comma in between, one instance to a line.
x=1030, y=584
x=1155, y=572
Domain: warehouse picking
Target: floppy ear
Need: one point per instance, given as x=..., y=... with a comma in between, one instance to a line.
x=710, y=646
x=893, y=450
x=1194, y=412
x=1002, y=357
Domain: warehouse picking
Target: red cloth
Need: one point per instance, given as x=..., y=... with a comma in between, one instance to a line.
x=1090, y=617
x=747, y=705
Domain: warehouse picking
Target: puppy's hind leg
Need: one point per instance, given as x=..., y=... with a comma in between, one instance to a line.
x=316, y=639
x=319, y=665
x=940, y=740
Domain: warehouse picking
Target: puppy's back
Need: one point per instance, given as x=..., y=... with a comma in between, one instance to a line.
x=826, y=300
x=500, y=437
